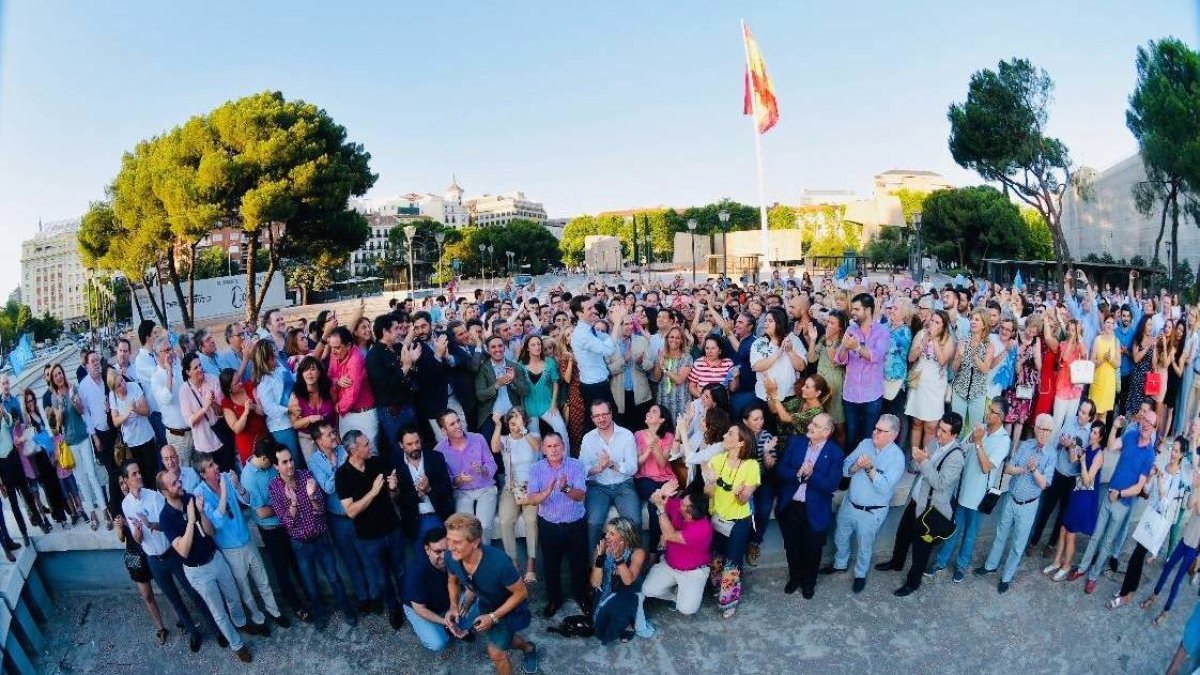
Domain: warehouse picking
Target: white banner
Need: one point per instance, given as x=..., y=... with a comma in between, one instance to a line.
x=215, y=298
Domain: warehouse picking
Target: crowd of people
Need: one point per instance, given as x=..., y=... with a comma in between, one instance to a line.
x=652, y=430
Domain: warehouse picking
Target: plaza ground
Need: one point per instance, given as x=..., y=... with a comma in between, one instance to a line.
x=1037, y=627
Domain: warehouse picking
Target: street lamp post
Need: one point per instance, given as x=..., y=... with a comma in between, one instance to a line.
x=918, y=268
x=510, y=255
x=482, y=269
x=439, y=237
x=492, y=263
x=1170, y=269
x=724, y=216
x=646, y=247
x=410, y=233
x=692, y=228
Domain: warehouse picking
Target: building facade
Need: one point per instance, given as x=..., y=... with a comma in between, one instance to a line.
x=1107, y=220
x=500, y=210
x=52, y=272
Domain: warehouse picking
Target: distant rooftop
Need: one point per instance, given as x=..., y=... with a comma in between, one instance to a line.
x=57, y=227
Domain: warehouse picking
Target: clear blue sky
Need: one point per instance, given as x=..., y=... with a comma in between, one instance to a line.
x=585, y=106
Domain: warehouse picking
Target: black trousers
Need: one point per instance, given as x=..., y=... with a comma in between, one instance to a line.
x=283, y=564
x=51, y=488
x=1133, y=573
x=906, y=537
x=108, y=444
x=802, y=545
x=12, y=474
x=593, y=392
x=634, y=417
x=570, y=541
x=1055, y=496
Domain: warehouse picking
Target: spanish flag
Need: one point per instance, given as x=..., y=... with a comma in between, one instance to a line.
x=760, y=95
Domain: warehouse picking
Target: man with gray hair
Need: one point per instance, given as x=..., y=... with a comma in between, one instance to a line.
x=165, y=385
x=231, y=357
x=874, y=469
x=1032, y=468
x=324, y=464
x=206, y=349
x=368, y=488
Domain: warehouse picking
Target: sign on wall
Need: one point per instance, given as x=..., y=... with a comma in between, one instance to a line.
x=215, y=298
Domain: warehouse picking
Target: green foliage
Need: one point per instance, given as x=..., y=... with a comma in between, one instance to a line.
x=967, y=225
x=1091, y=258
x=912, y=202
x=1185, y=282
x=1137, y=261
x=45, y=328
x=1000, y=132
x=889, y=247
x=1164, y=116
x=1039, y=243
x=14, y=320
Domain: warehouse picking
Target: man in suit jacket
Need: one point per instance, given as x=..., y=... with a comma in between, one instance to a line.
x=426, y=495
x=464, y=366
x=499, y=385
x=809, y=474
x=433, y=372
x=628, y=366
x=939, y=468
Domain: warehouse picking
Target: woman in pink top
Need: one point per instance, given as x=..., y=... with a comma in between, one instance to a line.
x=311, y=403
x=200, y=402
x=1066, y=394
x=654, y=445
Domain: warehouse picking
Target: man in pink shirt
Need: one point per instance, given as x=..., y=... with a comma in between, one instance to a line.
x=352, y=395
x=687, y=534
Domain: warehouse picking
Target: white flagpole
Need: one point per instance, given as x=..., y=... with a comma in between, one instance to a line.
x=762, y=189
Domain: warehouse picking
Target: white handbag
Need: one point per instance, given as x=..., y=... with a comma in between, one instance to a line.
x=1082, y=372
x=1152, y=531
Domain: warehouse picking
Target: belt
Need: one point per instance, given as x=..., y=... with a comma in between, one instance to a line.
x=1032, y=499
x=698, y=567
x=178, y=432
x=396, y=409
x=355, y=411
x=868, y=509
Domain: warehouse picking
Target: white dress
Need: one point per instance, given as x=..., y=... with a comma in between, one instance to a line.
x=927, y=401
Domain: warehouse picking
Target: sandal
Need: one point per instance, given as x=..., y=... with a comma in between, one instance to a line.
x=530, y=578
x=1050, y=569
x=1147, y=603
x=1159, y=619
x=162, y=636
x=94, y=522
x=1116, y=602
x=1059, y=575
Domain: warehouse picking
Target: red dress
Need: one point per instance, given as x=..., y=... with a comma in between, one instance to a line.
x=1045, y=392
x=256, y=425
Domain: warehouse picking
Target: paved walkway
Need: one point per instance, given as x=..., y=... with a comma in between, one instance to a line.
x=1037, y=627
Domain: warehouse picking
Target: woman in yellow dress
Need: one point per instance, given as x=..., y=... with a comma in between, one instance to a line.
x=1106, y=354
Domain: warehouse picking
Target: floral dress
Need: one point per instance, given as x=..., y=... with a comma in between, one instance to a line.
x=1026, y=377
x=576, y=416
x=1137, y=383
x=674, y=397
x=801, y=417
x=969, y=383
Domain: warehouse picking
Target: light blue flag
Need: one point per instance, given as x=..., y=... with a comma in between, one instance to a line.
x=22, y=354
x=1018, y=282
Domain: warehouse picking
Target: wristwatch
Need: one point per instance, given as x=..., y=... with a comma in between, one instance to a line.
x=494, y=619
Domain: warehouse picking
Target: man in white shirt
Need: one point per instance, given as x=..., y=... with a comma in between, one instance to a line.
x=592, y=349
x=95, y=414
x=140, y=509
x=610, y=454
x=165, y=385
x=144, y=365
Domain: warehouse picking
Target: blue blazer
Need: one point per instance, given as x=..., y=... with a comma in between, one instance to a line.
x=823, y=482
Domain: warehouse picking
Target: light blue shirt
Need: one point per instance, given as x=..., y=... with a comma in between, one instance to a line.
x=1024, y=487
x=1125, y=336
x=226, y=358
x=621, y=449
x=1088, y=321
x=323, y=471
x=974, y=483
x=889, y=468
x=229, y=531
x=209, y=364
x=189, y=478
x=503, y=402
x=592, y=350
x=1072, y=427
x=255, y=481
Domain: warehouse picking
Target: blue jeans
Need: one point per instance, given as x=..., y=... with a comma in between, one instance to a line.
x=391, y=425
x=168, y=574
x=764, y=503
x=384, y=561
x=645, y=488
x=601, y=497
x=309, y=556
x=1183, y=556
x=861, y=419
x=1112, y=521
x=434, y=636
x=346, y=542
x=968, y=521
x=160, y=431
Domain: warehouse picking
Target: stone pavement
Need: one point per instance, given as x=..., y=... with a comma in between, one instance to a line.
x=1037, y=627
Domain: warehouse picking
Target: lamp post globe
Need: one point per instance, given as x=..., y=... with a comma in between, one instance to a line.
x=724, y=217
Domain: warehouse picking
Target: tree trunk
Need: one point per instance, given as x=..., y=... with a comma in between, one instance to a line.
x=173, y=275
x=133, y=296
x=272, y=265
x=192, y=282
x=251, y=278
x=1174, y=257
x=1162, y=221
x=159, y=308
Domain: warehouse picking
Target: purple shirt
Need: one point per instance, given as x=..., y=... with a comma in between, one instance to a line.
x=309, y=521
x=475, y=460
x=864, y=378
x=559, y=507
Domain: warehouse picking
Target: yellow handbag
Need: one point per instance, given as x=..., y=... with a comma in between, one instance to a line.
x=66, y=458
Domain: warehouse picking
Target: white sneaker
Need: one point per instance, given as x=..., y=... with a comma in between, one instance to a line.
x=1059, y=575
x=1050, y=569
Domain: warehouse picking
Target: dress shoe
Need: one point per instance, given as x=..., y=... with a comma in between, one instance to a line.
x=1075, y=574
x=1002, y=587
x=1113, y=565
x=11, y=545
x=959, y=575
x=194, y=642
x=1089, y=586
x=807, y=593
x=830, y=569
x=904, y=591
x=243, y=655
x=551, y=609
x=859, y=584
x=982, y=571
x=791, y=587
x=888, y=566
x=281, y=621
x=222, y=642
x=396, y=619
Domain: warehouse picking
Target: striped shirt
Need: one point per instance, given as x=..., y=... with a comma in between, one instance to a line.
x=704, y=372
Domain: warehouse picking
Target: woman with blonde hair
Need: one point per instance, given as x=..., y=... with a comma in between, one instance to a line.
x=972, y=362
x=928, y=357
x=519, y=450
x=618, y=563
x=273, y=385
x=672, y=369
